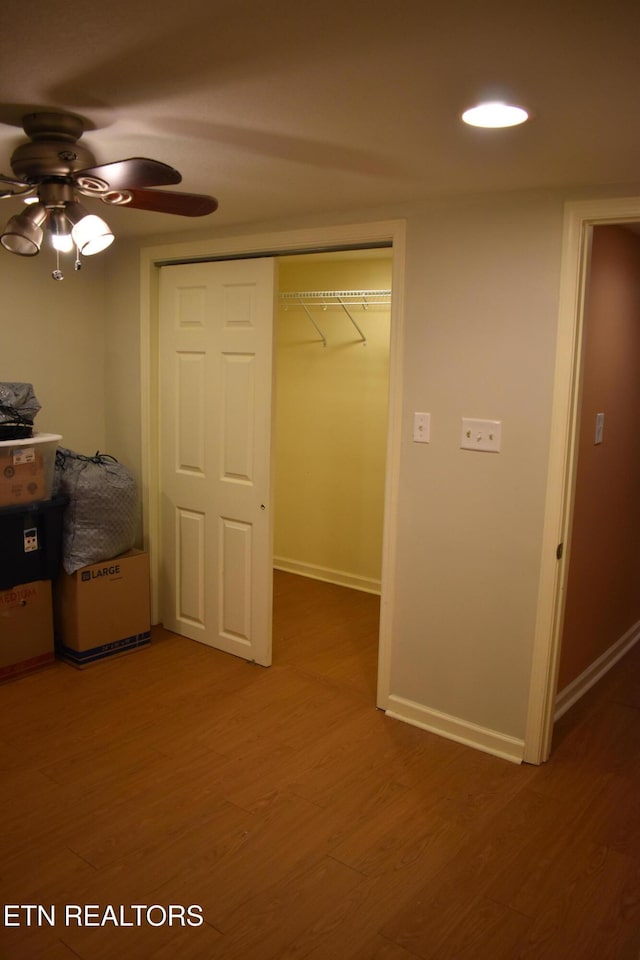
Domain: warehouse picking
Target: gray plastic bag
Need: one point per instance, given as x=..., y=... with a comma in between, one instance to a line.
x=18, y=408
x=101, y=517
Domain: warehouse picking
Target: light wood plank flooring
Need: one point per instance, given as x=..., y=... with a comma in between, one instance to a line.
x=304, y=822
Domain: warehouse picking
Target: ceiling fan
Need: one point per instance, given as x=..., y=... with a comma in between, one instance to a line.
x=52, y=170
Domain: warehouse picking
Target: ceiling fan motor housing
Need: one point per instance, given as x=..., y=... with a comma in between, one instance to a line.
x=49, y=158
x=52, y=150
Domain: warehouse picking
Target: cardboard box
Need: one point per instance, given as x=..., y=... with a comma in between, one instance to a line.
x=26, y=629
x=103, y=609
x=27, y=468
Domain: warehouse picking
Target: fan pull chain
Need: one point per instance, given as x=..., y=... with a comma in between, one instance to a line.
x=57, y=274
x=78, y=263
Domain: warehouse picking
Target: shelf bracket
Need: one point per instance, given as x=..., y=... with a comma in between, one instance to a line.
x=344, y=307
x=308, y=313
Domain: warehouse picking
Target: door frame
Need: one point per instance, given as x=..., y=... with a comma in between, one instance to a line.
x=309, y=240
x=579, y=219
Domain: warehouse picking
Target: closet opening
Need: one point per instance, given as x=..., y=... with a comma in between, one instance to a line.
x=331, y=384
x=212, y=559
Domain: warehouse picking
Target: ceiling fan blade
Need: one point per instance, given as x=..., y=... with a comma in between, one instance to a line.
x=169, y=201
x=17, y=183
x=21, y=186
x=131, y=173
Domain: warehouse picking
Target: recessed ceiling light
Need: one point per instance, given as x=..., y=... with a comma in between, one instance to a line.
x=495, y=115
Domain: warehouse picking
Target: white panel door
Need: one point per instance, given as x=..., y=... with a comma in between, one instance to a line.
x=215, y=384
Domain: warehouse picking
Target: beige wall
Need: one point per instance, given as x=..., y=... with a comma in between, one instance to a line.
x=122, y=355
x=603, y=588
x=480, y=308
x=331, y=425
x=481, y=312
x=52, y=334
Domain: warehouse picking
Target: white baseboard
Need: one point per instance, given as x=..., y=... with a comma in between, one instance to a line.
x=595, y=671
x=338, y=577
x=453, y=728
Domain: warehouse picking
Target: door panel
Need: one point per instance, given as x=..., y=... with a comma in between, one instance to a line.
x=216, y=331
x=238, y=402
x=189, y=573
x=190, y=412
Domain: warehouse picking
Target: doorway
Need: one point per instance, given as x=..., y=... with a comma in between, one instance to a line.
x=388, y=234
x=331, y=359
x=579, y=220
x=601, y=616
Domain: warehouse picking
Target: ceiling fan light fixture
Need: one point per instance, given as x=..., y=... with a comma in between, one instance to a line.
x=23, y=233
x=60, y=234
x=90, y=233
x=495, y=115
x=51, y=171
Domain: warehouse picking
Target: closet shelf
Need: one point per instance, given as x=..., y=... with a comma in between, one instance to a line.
x=328, y=298
x=344, y=299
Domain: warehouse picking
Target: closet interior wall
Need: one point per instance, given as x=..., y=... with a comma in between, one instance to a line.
x=331, y=421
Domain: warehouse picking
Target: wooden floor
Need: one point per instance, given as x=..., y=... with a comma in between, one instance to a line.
x=304, y=822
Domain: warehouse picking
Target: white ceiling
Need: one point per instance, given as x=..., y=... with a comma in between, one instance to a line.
x=287, y=108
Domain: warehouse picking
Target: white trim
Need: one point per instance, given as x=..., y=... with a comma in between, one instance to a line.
x=340, y=577
x=453, y=728
x=306, y=240
x=595, y=671
x=392, y=484
x=579, y=217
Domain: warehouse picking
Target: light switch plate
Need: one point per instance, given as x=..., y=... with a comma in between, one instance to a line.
x=485, y=435
x=422, y=427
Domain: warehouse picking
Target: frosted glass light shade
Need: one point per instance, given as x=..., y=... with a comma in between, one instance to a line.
x=62, y=242
x=60, y=233
x=91, y=235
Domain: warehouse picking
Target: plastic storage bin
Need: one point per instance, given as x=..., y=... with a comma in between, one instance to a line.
x=31, y=542
x=27, y=468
